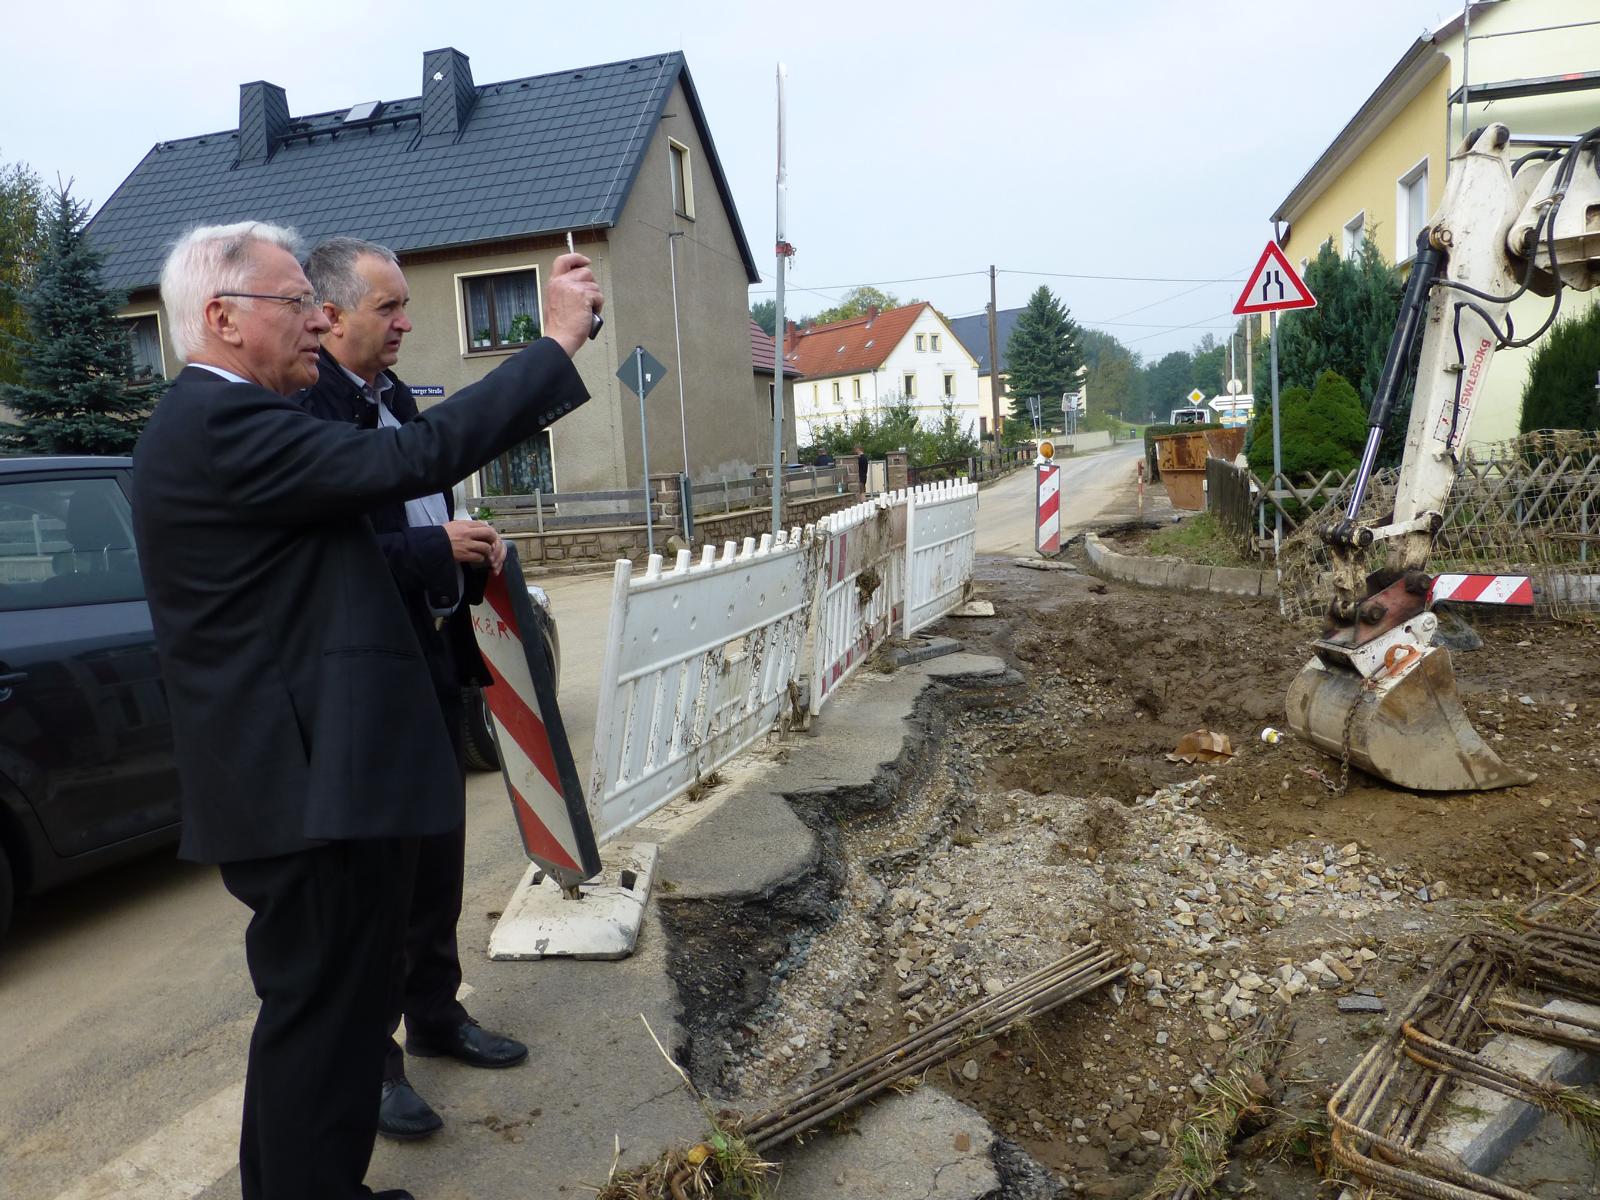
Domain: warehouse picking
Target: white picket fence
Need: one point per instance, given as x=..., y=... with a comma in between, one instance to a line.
x=698, y=664
x=941, y=547
x=700, y=659
x=861, y=593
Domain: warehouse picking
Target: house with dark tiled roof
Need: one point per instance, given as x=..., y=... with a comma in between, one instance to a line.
x=973, y=333
x=907, y=353
x=476, y=187
x=763, y=354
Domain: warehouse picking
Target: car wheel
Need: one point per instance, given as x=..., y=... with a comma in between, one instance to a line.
x=477, y=732
x=7, y=893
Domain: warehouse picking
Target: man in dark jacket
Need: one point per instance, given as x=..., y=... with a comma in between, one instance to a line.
x=309, y=740
x=440, y=566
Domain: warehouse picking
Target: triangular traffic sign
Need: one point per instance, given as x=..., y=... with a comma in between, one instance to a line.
x=1273, y=286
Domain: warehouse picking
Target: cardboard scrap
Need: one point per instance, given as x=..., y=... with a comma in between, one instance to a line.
x=1202, y=746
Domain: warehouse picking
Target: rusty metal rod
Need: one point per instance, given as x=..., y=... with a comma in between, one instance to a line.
x=1070, y=964
x=827, y=1106
x=899, y=1061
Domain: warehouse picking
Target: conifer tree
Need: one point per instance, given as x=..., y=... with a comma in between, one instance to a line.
x=77, y=394
x=1560, y=389
x=1042, y=358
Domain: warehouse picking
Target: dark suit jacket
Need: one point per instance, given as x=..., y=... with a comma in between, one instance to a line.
x=302, y=708
x=419, y=558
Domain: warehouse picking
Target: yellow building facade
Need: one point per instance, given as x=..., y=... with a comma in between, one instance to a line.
x=1384, y=174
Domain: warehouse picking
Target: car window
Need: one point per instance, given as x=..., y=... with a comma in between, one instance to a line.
x=65, y=542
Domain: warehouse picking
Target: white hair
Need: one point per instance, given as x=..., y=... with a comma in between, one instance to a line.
x=207, y=260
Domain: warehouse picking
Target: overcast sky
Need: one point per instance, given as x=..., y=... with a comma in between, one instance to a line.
x=1130, y=138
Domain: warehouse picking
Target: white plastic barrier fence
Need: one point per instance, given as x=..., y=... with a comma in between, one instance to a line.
x=941, y=547
x=861, y=589
x=698, y=666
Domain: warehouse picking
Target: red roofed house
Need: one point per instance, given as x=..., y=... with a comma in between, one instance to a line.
x=761, y=349
x=901, y=352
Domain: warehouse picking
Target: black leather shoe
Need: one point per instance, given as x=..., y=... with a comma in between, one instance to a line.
x=468, y=1043
x=405, y=1116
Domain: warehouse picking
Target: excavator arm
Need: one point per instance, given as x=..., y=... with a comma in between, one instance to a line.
x=1380, y=693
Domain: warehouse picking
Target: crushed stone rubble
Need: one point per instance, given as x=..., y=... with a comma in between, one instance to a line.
x=962, y=911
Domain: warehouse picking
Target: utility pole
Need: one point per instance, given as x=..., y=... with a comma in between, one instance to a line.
x=994, y=362
x=779, y=330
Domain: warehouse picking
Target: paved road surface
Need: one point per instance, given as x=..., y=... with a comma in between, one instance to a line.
x=1090, y=483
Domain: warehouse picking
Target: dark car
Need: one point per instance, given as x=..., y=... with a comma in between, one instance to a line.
x=87, y=777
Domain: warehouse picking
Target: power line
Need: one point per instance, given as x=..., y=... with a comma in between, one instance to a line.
x=1122, y=278
x=1205, y=321
x=836, y=287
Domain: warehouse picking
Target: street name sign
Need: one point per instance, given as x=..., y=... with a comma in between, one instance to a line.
x=1273, y=286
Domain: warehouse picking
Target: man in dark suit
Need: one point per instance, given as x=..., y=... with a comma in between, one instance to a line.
x=440, y=566
x=309, y=739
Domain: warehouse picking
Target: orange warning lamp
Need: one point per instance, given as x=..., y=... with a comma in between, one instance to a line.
x=1047, y=449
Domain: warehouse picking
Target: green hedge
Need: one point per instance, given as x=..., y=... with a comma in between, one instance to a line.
x=1151, y=432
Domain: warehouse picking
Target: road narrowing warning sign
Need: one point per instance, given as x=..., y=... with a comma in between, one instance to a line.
x=1273, y=286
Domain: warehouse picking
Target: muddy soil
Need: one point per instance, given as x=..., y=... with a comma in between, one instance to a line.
x=1032, y=817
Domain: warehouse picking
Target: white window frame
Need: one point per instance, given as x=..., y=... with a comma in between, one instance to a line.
x=161, y=333
x=922, y=341
x=772, y=400
x=687, y=211
x=933, y=342
x=838, y=391
x=1405, y=236
x=463, y=316
x=1355, y=232
x=950, y=384
x=855, y=385
x=908, y=380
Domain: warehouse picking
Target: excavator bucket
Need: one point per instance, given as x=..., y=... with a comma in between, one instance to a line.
x=1406, y=725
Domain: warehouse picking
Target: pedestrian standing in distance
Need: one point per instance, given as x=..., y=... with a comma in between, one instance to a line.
x=440, y=567
x=309, y=742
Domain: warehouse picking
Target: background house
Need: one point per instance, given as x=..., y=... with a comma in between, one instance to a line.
x=476, y=187
x=909, y=352
x=1531, y=68
x=762, y=352
x=973, y=333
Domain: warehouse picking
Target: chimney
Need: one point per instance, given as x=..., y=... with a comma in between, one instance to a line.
x=872, y=313
x=263, y=119
x=447, y=95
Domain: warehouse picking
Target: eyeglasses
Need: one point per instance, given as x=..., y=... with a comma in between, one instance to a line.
x=305, y=302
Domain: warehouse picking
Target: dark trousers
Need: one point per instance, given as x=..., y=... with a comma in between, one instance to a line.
x=428, y=974
x=321, y=945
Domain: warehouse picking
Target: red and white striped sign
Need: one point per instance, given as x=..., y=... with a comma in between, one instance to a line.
x=535, y=759
x=1048, y=532
x=1483, y=589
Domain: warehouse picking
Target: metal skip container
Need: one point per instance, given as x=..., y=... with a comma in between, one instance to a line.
x=1181, y=460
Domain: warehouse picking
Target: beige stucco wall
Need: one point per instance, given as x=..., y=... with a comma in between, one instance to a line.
x=728, y=433
x=791, y=442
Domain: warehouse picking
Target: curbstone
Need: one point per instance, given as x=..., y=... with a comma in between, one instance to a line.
x=1483, y=1127
x=921, y=651
x=1174, y=574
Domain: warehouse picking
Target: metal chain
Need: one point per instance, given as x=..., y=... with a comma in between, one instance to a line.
x=1344, y=755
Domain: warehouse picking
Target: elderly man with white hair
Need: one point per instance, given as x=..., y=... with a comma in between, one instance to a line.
x=310, y=744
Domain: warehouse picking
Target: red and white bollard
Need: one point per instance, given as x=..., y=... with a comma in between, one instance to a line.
x=1047, y=490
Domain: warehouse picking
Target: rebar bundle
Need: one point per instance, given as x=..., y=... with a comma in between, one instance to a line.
x=1381, y=1112
x=1077, y=974
x=734, y=1151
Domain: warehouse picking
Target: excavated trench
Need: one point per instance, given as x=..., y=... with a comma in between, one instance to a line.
x=1020, y=820
x=728, y=959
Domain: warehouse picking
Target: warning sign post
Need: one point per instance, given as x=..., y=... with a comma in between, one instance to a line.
x=570, y=902
x=1274, y=287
